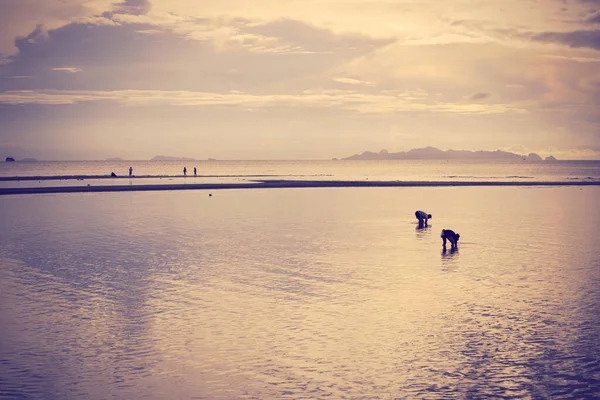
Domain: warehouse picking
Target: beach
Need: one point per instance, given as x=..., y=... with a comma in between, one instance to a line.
x=309, y=292
x=276, y=184
x=83, y=177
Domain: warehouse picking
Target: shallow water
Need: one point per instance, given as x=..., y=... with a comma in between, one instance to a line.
x=386, y=170
x=305, y=293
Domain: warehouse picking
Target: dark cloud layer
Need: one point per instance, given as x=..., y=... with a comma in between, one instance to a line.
x=479, y=96
x=594, y=18
x=115, y=56
x=589, y=39
x=133, y=7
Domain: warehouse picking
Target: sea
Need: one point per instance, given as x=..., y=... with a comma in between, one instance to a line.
x=304, y=293
x=146, y=172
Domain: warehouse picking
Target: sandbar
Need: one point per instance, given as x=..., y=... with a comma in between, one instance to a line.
x=275, y=184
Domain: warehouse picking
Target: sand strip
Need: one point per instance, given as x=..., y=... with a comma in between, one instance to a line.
x=273, y=184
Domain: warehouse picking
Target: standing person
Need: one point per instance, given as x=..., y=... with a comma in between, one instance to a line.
x=130, y=171
x=194, y=171
x=422, y=216
x=184, y=171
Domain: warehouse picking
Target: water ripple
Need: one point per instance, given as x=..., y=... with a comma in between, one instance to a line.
x=299, y=294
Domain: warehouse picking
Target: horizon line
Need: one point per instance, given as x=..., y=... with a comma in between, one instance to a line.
x=34, y=160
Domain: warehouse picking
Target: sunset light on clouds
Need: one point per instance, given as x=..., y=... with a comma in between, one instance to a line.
x=297, y=79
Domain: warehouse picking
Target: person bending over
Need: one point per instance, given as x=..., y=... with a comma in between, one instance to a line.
x=450, y=235
x=422, y=216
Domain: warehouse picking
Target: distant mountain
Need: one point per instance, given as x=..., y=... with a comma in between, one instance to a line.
x=431, y=153
x=168, y=158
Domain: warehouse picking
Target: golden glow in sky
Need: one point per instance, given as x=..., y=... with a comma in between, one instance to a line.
x=297, y=79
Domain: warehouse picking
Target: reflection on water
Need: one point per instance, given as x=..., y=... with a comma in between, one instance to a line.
x=423, y=231
x=447, y=254
x=305, y=293
x=449, y=258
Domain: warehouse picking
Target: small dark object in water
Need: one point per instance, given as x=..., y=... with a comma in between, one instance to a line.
x=113, y=175
x=9, y=159
x=210, y=194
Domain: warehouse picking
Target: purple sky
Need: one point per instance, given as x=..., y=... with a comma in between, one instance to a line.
x=312, y=79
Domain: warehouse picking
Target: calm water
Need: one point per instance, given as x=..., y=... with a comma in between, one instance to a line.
x=306, y=293
x=312, y=170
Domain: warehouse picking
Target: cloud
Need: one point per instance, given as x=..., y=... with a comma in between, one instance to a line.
x=450, y=38
x=343, y=100
x=37, y=36
x=316, y=39
x=351, y=81
x=20, y=17
x=577, y=39
x=72, y=70
x=479, y=96
x=136, y=52
x=594, y=18
x=20, y=77
x=133, y=7
x=574, y=58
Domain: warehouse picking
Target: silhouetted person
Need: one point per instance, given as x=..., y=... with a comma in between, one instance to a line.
x=194, y=171
x=422, y=216
x=184, y=171
x=130, y=171
x=450, y=235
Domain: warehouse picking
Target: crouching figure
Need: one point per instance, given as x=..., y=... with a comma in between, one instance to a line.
x=450, y=235
x=422, y=216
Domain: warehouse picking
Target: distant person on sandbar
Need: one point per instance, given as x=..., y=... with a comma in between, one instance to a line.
x=422, y=216
x=130, y=171
x=450, y=235
x=194, y=171
x=184, y=171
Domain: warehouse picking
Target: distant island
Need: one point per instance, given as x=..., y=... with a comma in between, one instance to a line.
x=114, y=159
x=169, y=158
x=431, y=153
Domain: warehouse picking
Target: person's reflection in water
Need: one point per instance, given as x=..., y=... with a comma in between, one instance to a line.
x=422, y=231
x=449, y=258
x=423, y=225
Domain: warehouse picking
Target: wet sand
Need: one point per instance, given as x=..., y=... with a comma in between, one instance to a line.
x=273, y=184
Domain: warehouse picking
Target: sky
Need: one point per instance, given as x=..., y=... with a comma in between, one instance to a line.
x=291, y=79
